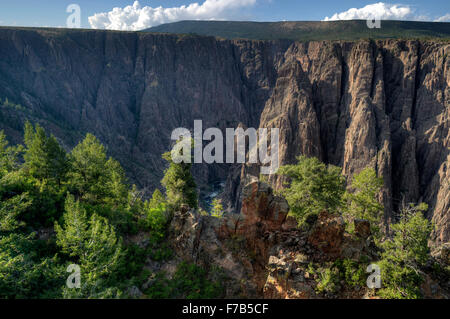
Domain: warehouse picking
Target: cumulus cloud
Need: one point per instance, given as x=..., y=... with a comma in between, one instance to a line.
x=135, y=17
x=445, y=18
x=380, y=10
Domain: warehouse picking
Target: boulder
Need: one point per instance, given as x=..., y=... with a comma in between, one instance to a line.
x=327, y=234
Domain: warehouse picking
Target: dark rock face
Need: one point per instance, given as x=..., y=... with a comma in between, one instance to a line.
x=133, y=89
x=383, y=104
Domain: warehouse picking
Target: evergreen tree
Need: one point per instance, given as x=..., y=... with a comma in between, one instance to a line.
x=405, y=253
x=44, y=157
x=10, y=210
x=156, y=216
x=87, y=176
x=93, y=244
x=313, y=187
x=94, y=177
x=24, y=273
x=362, y=203
x=179, y=184
x=217, y=208
x=8, y=156
x=157, y=199
x=72, y=239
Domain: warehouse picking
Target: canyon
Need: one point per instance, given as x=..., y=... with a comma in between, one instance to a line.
x=378, y=103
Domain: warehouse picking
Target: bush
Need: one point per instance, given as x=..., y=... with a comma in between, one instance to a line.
x=352, y=272
x=328, y=281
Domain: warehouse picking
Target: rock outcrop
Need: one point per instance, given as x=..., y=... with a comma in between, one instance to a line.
x=261, y=252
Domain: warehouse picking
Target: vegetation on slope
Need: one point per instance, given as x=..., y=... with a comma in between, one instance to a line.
x=404, y=253
x=308, y=30
x=59, y=209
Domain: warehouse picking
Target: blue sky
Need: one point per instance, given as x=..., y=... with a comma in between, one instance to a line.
x=133, y=16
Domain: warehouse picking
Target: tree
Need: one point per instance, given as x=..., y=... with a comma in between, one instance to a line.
x=72, y=239
x=362, y=202
x=24, y=274
x=10, y=211
x=8, y=156
x=94, y=177
x=409, y=242
x=40, y=177
x=116, y=187
x=93, y=244
x=313, y=187
x=405, y=253
x=217, y=208
x=44, y=157
x=157, y=199
x=156, y=216
x=179, y=184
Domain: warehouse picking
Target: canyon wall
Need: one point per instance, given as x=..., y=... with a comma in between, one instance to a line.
x=383, y=104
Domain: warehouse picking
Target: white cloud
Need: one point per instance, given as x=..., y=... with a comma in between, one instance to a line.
x=445, y=18
x=135, y=17
x=380, y=10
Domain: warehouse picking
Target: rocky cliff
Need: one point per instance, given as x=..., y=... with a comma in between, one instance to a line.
x=383, y=104
x=261, y=252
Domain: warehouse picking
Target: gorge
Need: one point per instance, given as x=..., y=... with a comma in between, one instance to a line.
x=378, y=103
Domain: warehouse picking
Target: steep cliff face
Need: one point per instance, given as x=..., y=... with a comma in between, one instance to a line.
x=353, y=104
x=383, y=104
x=132, y=89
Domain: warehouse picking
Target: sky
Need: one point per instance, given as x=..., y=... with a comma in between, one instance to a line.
x=137, y=15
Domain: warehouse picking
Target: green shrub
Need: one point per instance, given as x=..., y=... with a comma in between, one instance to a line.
x=328, y=280
x=352, y=272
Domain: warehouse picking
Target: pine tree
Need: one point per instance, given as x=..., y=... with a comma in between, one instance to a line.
x=10, y=210
x=217, y=208
x=157, y=199
x=8, y=156
x=72, y=239
x=362, y=202
x=94, y=177
x=23, y=275
x=313, y=187
x=179, y=184
x=405, y=253
x=93, y=244
x=44, y=157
